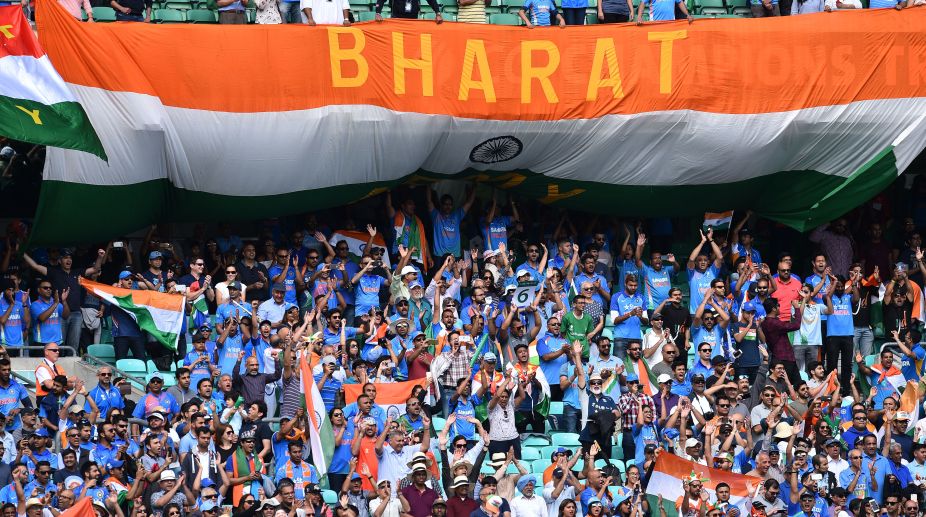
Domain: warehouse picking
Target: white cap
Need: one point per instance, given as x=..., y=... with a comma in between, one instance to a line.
x=408, y=270
x=168, y=475
x=663, y=377
x=691, y=442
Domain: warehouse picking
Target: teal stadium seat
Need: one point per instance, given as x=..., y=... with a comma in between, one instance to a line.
x=104, y=14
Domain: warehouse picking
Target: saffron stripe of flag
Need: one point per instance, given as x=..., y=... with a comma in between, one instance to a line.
x=159, y=314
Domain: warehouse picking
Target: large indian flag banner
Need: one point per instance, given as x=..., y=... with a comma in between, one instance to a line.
x=159, y=314
x=670, y=470
x=391, y=396
x=797, y=118
x=35, y=103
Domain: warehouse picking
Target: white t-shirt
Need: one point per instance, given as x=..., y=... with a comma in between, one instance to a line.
x=652, y=339
x=810, y=333
x=393, y=507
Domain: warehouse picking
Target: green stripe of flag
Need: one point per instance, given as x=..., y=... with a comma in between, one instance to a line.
x=146, y=321
x=64, y=124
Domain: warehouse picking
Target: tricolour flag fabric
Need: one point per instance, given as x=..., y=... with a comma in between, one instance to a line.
x=357, y=242
x=646, y=120
x=159, y=314
x=83, y=507
x=666, y=480
x=391, y=396
x=321, y=436
x=35, y=103
x=718, y=220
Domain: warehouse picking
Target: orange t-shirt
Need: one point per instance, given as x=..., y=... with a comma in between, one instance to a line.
x=367, y=456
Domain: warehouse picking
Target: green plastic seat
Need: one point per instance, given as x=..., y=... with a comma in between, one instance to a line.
x=133, y=367
x=366, y=16
x=566, y=440
x=103, y=352
x=180, y=6
x=538, y=466
x=529, y=454
x=104, y=14
x=201, y=16
x=504, y=19
x=167, y=16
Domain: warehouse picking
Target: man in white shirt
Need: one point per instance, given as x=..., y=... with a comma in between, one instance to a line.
x=395, y=456
x=395, y=507
x=325, y=12
x=834, y=453
x=561, y=488
x=528, y=504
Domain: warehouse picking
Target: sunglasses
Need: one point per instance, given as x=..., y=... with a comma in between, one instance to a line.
x=199, y=263
x=633, y=349
x=231, y=272
x=596, y=383
x=704, y=350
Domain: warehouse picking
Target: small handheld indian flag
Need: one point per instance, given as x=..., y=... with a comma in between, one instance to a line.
x=718, y=220
x=321, y=434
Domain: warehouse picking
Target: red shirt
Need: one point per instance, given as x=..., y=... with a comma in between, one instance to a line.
x=785, y=293
x=457, y=507
x=418, y=369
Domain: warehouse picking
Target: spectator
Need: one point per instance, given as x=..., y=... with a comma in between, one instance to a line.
x=542, y=14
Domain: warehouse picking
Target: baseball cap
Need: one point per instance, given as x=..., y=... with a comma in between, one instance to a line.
x=43, y=432
x=487, y=254
x=125, y=274
x=114, y=464
x=155, y=375
x=438, y=502
x=408, y=270
x=199, y=338
x=154, y=255
x=489, y=357
x=414, y=284
x=663, y=378
x=902, y=415
x=650, y=447
x=76, y=409
x=697, y=377
x=34, y=501
x=807, y=495
x=279, y=287
x=207, y=506
x=206, y=483
x=749, y=307
x=522, y=344
x=328, y=360
x=168, y=475
x=691, y=442
x=831, y=442
x=718, y=360
x=157, y=414
x=236, y=285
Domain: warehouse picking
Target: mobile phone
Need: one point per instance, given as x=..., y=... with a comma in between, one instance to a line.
x=118, y=244
x=816, y=477
x=913, y=497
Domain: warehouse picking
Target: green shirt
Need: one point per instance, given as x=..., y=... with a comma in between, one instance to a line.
x=575, y=329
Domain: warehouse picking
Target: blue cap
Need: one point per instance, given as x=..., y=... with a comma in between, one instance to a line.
x=114, y=464
x=620, y=498
x=670, y=433
x=356, y=476
x=155, y=255
x=42, y=432
x=206, y=483
x=632, y=377
x=593, y=500
x=206, y=506
x=414, y=284
x=749, y=306
x=125, y=274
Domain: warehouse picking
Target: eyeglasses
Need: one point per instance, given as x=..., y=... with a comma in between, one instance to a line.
x=44, y=287
x=55, y=350
x=312, y=257
x=199, y=263
x=855, y=457
x=596, y=383
x=45, y=472
x=249, y=501
x=337, y=414
x=634, y=349
x=704, y=350
x=723, y=405
x=211, y=496
x=460, y=446
x=554, y=324
x=402, y=303
x=232, y=272
x=784, y=270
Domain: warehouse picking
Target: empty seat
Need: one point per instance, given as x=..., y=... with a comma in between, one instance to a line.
x=566, y=440
x=104, y=14
x=133, y=367
x=504, y=19
x=167, y=16
x=103, y=352
x=201, y=16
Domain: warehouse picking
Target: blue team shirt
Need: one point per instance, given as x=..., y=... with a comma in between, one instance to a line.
x=366, y=293
x=839, y=323
x=551, y=369
x=464, y=408
x=662, y=9
x=496, y=232
x=814, y=280
x=10, y=398
x=623, y=304
x=48, y=331
x=714, y=337
x=201, y=370
x=289, y=282
x=11, y=333
x=642, y=436
x=699, y=282
x=908, y=365
x=105, y=399
x=228, y=354
x=446, y=234
x=541, y=13
x=581, y=278
x=624, y=268
x=657, y=285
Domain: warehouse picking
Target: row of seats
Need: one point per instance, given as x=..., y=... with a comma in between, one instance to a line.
x=108, y=14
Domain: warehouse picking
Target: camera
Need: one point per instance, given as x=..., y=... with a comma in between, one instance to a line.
x=377, y=263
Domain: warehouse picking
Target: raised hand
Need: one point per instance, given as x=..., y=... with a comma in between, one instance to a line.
x=641, y=239
x=371, y=230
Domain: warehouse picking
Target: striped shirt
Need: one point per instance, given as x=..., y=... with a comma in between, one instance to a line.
x=472, y=13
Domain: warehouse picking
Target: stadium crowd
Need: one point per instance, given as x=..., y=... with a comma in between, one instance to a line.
x=800, y=372
x=530, y=13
